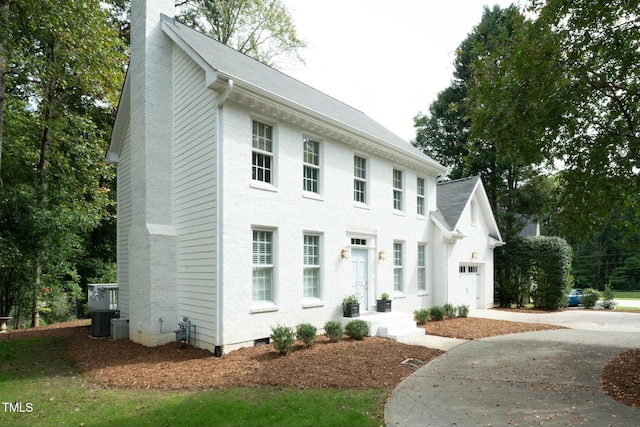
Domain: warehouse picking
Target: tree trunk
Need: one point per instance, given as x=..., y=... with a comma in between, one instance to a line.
x=4, y=20
x=35, y=317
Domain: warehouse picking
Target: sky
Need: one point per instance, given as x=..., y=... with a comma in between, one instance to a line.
x=389, y=59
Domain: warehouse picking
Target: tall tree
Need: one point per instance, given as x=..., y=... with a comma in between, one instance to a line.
x=262, y=29
x=4, y=23
x=568, y=87
x=64, y=72
x=514, y=190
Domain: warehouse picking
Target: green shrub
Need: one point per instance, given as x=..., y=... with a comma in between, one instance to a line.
x=357, y=329
x=589, y=298
x=283, y=338
x=541, y=260
x=333, y=330
x=421, y=316
x=437, y=312
x=306, y=333
x=607, y=299
x=449, y=311
x=463, y=310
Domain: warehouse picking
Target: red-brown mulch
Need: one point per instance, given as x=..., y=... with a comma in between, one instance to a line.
x=349, y=364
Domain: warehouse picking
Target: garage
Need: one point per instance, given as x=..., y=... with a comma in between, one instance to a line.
x=469, y=285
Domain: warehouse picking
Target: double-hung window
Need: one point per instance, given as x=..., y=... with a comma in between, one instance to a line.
x=262, y=152
x=311, y=165
x=422, y=267
x=262, y=266
x=397, y=266
x=359, y=179
x=397, y=190
x=311, y=281
x=420, y=196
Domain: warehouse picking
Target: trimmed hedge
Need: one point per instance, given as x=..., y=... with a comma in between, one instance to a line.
x=534, y=267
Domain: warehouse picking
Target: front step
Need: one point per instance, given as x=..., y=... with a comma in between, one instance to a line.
x=392, y=325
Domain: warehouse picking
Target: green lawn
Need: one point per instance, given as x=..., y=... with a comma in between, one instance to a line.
x=626, y=294
x=35, y=374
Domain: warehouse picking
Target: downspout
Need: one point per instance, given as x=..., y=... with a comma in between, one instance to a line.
x=225, y=94
x=219, y=188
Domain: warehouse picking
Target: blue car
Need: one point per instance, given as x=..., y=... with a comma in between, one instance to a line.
x=574, y=297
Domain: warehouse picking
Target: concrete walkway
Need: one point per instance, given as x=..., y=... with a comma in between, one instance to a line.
x=537, y=378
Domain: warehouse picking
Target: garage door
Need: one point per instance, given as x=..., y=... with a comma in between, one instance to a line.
x=469, y=283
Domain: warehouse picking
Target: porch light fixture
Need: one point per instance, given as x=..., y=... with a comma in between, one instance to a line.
x=344, y=253
x=474, y=255
x=382, y=256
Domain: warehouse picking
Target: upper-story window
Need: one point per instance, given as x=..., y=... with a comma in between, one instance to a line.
x=420, y=196
x=359, y=179
x=262, y=152
x=397, y=190
x=311, y=165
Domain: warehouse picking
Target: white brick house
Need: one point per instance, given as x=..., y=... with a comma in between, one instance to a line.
x=248, y=199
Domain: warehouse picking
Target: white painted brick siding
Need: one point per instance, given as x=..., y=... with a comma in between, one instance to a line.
x=286, y=211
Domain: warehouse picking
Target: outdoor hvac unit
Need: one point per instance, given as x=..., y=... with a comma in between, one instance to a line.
x=119, y=329
x=101, y=322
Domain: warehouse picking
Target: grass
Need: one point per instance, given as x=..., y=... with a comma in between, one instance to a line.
x=626, y=294
x=35, y=372
x=623, y=308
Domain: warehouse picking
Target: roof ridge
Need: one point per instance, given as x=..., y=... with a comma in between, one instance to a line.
x=459, y=180
x=174, y=21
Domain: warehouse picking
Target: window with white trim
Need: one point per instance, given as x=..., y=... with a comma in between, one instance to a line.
x=420, y=196
x=262, y=152
x=397, y=267
x=311, y=252
x=397, y=190
x=359, y=179
x=262, y=266
x=422, y=267
x=311, y=165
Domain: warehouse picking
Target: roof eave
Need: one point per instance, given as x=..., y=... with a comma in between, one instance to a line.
x=120, y=124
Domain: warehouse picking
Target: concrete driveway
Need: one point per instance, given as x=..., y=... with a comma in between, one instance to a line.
x=537, y=378
x=575, y=318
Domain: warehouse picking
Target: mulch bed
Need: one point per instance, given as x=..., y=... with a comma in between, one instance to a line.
x=373, y=363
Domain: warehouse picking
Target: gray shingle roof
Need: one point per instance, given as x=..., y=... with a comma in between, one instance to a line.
x=252, y=73
x=452, y=197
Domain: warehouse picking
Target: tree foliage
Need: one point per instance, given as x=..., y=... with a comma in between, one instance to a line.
x=516, y=192
x=63, y=75
x=566, y=89
x=262, y=29
x=536, y=268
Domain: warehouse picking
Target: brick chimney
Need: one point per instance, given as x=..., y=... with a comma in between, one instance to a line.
x=152, y=238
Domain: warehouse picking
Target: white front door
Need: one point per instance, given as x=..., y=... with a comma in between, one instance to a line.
x=469, y=282
x=360, y=276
